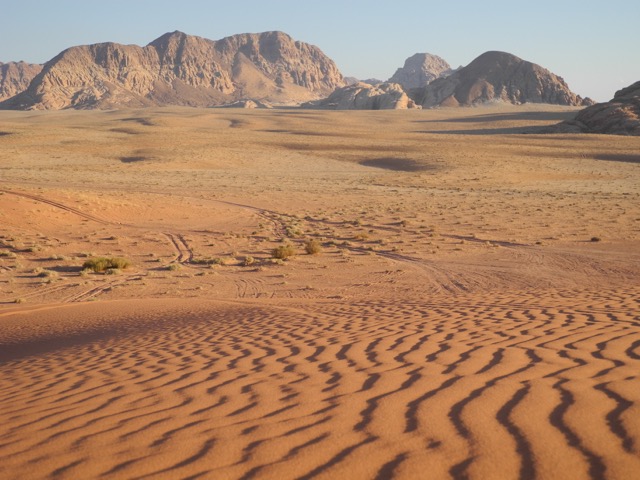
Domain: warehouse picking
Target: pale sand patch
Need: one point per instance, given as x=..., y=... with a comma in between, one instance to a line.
x=459, y=319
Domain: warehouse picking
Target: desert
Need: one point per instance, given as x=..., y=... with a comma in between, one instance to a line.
x=458, y=294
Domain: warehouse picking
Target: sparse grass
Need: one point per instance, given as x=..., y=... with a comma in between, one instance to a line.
x=283, y=251
x=19, y=300
x=312, y=246
x=102, y=264
x=58, y=258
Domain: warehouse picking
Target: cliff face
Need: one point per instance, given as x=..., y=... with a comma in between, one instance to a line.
x=419, y=70
x=620, y=116
x=499, y=76
x=179, y=69
x=15, y=77
x=363, y=96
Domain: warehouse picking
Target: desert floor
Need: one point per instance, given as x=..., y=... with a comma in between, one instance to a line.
x=473, y=311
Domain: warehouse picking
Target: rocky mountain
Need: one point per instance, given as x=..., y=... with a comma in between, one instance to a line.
x=620, y=116
x=364, y=96
x=419, y=70
x=15, y=77
x=179, y=69
x=499, y=76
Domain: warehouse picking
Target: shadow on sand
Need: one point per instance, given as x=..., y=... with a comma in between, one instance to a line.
x=500, y=117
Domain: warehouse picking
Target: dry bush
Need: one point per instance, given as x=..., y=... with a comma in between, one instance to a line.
x=102, y=264
x=312, y=246
x=283, y=251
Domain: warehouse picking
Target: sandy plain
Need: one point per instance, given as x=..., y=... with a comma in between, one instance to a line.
x=473, y=312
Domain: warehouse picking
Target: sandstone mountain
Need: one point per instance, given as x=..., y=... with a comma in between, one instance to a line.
x=620, y=116
x=419, y=70
x=363, y=96
x=499, y=76
x=15, y=77
x=179, y=69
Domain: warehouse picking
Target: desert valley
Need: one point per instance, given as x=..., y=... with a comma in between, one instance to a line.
x=299, y=292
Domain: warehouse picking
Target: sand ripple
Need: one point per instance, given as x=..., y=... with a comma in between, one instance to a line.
x=512, y=387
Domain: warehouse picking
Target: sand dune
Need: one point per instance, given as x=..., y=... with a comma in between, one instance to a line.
x=473, y=312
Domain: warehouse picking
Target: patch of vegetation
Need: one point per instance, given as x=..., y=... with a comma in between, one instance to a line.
x=209, y=261
x=248, y=261
x=312, y=246
x=174, y=267
x=283, y=251
x=596, y=239
x=102, y=264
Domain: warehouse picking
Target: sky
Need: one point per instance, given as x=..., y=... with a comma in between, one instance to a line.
x=593, y=45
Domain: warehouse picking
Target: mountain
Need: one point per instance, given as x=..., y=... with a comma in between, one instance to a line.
x=180, y=69
x=15, y=77
x=499, y=76
x=419, y=70
x=620, y=116
x=364, y=96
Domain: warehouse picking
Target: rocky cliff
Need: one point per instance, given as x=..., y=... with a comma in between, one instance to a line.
x=419, y=70
x=363, y=96
x=15, y=77
x=179, y=69
x=499, y=76
x=620, y=116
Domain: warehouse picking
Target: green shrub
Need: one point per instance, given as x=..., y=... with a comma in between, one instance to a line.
x=102, y=264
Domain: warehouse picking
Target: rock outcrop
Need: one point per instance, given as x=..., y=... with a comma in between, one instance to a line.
x=620, y=116
x=420, y=70
x=363, y=96
x=15, y=77
x=499, y=77
x=179, y=69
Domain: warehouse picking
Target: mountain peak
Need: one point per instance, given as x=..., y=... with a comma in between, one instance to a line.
x=503, y=77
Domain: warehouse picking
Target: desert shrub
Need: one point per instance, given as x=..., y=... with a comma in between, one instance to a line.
x=209, y=261
x=173, y=267
x=283, y=251
x=248, y=260
x=596, y=239
x=47, y=274
x=113, y=271
x=101, y=264
x=312, y=246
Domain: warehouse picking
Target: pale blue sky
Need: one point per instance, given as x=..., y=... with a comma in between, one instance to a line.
x=593, y=45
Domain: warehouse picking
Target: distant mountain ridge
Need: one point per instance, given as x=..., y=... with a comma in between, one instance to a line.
x=268, y=68
x=180, y=69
